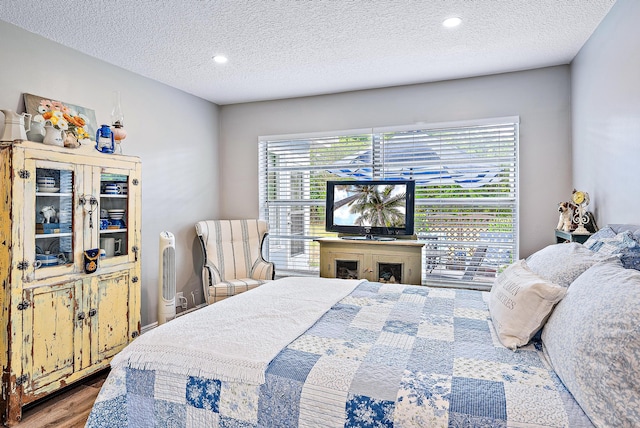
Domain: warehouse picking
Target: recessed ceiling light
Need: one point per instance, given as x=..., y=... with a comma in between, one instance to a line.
x=452, y=22
x=220, y=59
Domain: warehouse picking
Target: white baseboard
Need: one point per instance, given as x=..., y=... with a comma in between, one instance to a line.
x=146, y=328
x=201, y=305
x=153, y=325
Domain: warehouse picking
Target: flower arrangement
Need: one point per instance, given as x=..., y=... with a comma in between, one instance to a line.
x=62, y=117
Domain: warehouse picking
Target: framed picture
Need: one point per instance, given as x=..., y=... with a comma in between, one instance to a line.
x=65, y=116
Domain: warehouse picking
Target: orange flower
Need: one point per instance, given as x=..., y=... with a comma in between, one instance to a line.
x=77, y=121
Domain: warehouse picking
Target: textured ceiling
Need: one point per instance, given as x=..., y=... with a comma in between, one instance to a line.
x=291, y=48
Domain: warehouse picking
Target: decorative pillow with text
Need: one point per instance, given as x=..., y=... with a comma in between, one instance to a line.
x=520, y=302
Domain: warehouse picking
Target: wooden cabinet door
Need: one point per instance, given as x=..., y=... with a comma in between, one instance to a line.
x=397, y=265
x=52, y=332
x=119, y=194
x=344, y=265
x=51, y=218
x=110, y=299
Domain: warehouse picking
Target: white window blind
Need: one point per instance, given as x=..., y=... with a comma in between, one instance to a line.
x=466, y=193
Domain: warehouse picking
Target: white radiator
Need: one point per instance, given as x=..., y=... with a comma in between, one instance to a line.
x=167, y=278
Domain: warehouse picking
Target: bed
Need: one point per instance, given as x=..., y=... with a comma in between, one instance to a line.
x=314, y=352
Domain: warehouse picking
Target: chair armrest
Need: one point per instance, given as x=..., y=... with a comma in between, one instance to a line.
x=214, y=273
x=210, y=276
x=262, y=269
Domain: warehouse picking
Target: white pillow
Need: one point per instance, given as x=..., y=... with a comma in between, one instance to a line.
x=520, y=302
x=563, y=263
x=593, y=342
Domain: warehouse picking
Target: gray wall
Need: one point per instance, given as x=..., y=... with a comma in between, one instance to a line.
x=606, y=116
x=175, y=135
x=540, y=97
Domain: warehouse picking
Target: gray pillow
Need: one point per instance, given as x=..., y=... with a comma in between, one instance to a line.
x=563, y=263
x=592, y=340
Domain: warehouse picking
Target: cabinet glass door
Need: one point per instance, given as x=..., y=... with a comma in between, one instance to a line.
x=114, y=214
x=54, y=212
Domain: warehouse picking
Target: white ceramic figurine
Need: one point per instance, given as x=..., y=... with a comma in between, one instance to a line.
x=49, y=214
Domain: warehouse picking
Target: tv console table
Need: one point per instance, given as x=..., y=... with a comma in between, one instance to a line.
x=398, y=261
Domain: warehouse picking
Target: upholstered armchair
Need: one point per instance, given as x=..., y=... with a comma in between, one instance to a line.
x=233, y=260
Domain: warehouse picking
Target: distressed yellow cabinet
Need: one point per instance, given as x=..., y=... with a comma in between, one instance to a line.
x=61, y=323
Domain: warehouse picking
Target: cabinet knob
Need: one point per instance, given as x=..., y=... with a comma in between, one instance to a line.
x=81, y=316
x=92, y=312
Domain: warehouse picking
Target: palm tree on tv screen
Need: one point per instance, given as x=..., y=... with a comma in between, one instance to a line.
x=378, y=207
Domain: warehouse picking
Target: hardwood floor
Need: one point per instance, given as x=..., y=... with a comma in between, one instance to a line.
x=68, y=409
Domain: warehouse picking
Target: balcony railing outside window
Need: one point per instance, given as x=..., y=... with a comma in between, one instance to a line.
x=466, y=193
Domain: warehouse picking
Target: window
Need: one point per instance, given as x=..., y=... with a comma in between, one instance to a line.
x=466, y=193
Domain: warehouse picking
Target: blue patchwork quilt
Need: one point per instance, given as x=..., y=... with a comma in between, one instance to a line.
x=384, y=356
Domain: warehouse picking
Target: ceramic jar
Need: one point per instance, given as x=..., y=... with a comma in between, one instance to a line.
x=53, y=136
x=37, y=132
x=15, y=125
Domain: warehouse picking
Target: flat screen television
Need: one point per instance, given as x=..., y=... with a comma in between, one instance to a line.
x=370, y=209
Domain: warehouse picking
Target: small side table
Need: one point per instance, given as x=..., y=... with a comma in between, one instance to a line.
x=562, y=236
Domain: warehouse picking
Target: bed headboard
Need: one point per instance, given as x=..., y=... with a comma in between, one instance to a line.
x=633, y=228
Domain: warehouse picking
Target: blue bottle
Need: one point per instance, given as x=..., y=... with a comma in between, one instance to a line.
x=105, y=142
